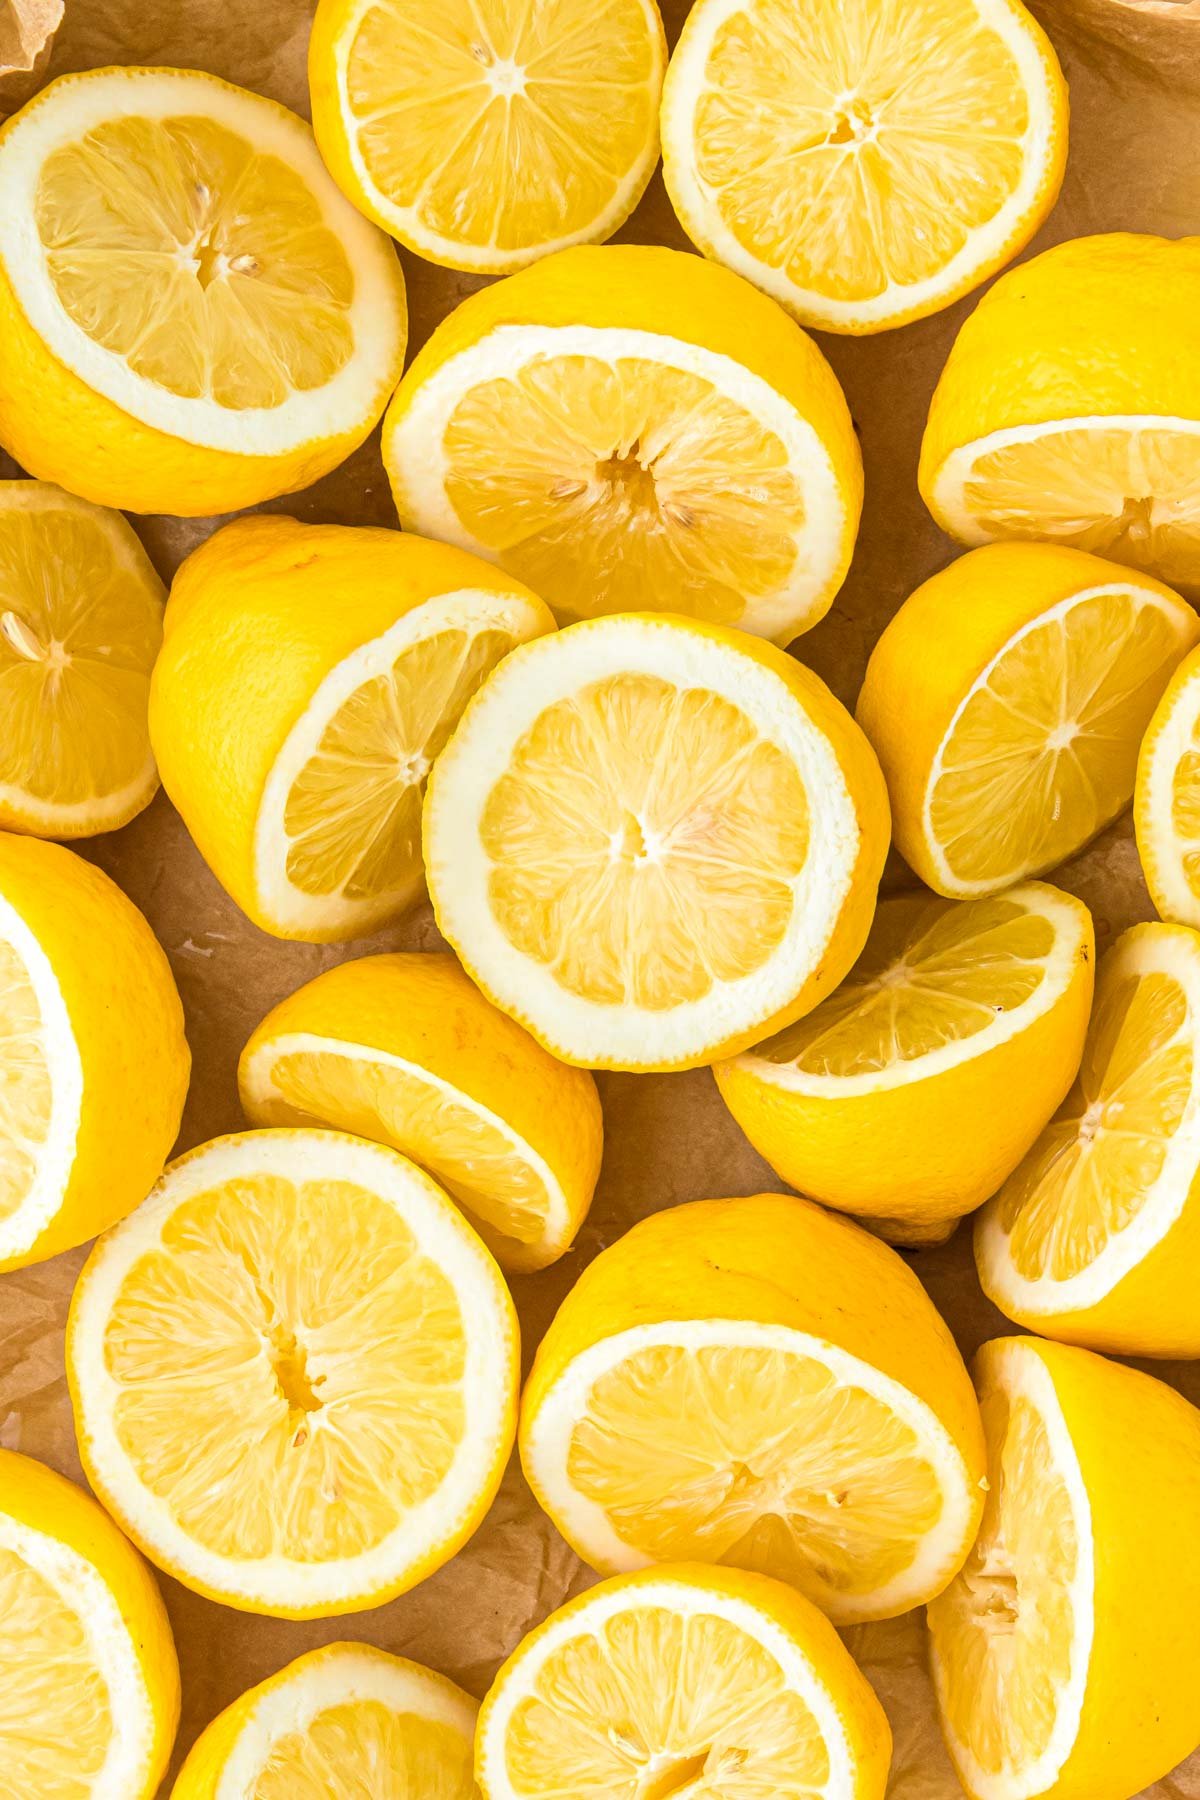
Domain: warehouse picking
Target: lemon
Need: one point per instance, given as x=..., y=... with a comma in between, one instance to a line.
x=683, y=1682
x=294, y=1373
x=483, y=135
x=651, y=840
x=1065, y=1653
x=89, y=1682
x=1166, y=806
x=192, y=317
x=341, y=1723
x=294, y=732
x=1006, y=701
x=957, y=1011
x=630, y=429
x=93, y=1061
x=1069, y=407
x=758, y=1383
x=404, y=1049
x=80, y=626
x=868, y=163
x=1094, y=1237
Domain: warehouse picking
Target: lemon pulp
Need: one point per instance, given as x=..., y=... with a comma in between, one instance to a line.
x=25, y=1084
x=362, y=1747
x=56, y=1723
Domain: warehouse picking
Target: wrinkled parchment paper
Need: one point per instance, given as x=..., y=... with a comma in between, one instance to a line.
x=27, y=28
x=1134, y=70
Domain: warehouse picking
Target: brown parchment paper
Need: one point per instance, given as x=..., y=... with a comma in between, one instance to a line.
x=1134, y=71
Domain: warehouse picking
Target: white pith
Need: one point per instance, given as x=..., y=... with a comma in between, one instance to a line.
x=56, y=1157
x=546, y=1444
x=1070, y=932
x=82, y=1589
x=77, y=104
x=258, y=1076
x=1160, y=846
x=1020, y=1371
x=464, y=609
x=680, y=1597
x=337, y=1676
x=1128, y=588
x=405, y=223
x=1175, y=953
x=987, y=246
x=458, y=865
x=414, y=449
x=275, y=1582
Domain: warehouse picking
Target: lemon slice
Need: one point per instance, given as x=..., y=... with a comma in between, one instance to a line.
x=192, y=317
x=630, y=429
x=1064, y=1653
x=80, y=626
x=1063, y=412
x=89, y=1682
x=483, y=135
x=682, y=1684
x=648, y=838
x=294, y=1373
x=405, y=1050
x=974, y=1009
x=864, y=165
x=341, y=1723
x=295, y=732
x=761, y=1384
x=1088, y=1240
x=1016, y=740
x=1166, y=806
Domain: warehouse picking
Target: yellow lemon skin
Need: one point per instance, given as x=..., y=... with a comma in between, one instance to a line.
x=900, y=1156
x=256, y=618
x=1137, y=1442
x=47, y=1503
x=127, y=1023
x=938, y=644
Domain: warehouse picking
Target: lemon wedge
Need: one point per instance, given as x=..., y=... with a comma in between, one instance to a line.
x=1166, y=808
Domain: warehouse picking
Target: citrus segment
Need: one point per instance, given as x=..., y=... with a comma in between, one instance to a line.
x=1166, y=808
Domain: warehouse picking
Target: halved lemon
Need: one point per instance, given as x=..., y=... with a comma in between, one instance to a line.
x=405, y=1049
x=630, y=429
x=1166, y=806
x=294, y=1373
x=868, y=164
x=93, y=1061
x=1006, y=701
x=347, y=1722
x=761, y=1384
x=192, y=316
x=970, y=1010
x=680, y=1684
x=89, y=1681
x=1065, y=1654
x=650, y=840
x=1066, y=410
x=80, y=625
x=1093, y=1238
x=295, y=731
x=484, y=135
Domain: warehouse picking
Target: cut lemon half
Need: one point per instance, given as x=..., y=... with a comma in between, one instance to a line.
x=483, y=135
x=80, y=625
x=678, y=1685
x=192, y=316
x=89, y=1682
x=295, y=732
x=630, y=429
x=405, y=1049
x=346, y=1722
x=93, y=1061
x=761, y=1384
x=1064, y=1654
x=1007, y=700
x=294, y=1373
x=649, y=838
x=1092, y=1239
x=1064, y=412
x=1166, y=807
x=865, y=165
x=975, y=1009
